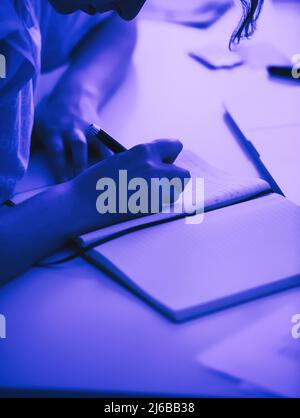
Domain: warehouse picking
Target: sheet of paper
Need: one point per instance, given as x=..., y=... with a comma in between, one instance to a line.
x=274, y=133
x=217, y=57
x=266, y=354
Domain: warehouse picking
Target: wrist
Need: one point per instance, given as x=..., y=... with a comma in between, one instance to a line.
x=76, y=88
x=82, y=212
x=66, y=204
x=77, y=107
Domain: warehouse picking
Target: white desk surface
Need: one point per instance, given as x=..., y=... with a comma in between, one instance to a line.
x=73, y=328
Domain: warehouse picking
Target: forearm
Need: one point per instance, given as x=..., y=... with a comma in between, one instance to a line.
x=34, y=229
x=100, y=61
x=96, y=69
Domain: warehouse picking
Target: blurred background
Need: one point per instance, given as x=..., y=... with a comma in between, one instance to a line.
x=191, y=12
x=276, y=40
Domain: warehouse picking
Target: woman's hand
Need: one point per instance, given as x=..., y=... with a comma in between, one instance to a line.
x=60, y=123
x=147, y=161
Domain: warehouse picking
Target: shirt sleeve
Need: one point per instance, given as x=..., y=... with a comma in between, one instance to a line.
x=20, y=47
x=15, y=132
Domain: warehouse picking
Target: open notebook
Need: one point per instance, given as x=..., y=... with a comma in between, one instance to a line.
x=247, y=246
x=220, y=189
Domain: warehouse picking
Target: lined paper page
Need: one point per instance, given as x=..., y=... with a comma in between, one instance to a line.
x=220, y=189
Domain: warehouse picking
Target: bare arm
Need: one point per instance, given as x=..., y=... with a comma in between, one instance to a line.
x=101, y=60
x=97, y=68
x=34, y=229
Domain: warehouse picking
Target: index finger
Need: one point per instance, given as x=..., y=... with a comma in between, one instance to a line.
x=56, y=151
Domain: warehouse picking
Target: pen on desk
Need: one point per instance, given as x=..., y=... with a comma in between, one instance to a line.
x=282, y=71
x=111, y=143
x=252, y=152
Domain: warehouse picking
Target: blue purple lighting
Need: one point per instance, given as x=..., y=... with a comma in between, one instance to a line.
x=183, y=279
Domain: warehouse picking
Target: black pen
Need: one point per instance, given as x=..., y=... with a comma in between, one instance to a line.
x=111, y=143
x=282, y=71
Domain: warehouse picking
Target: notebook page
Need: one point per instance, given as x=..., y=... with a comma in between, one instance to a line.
x=220, y=189
x=237, y=253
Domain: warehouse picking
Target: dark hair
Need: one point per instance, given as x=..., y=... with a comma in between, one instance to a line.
x=247, y=25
